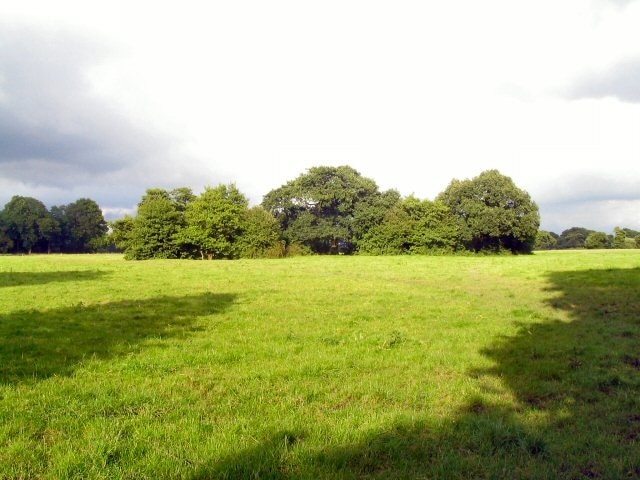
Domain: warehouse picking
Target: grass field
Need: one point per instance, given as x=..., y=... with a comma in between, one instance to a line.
x=321, y=367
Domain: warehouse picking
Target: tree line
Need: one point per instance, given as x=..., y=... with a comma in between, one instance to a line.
x=330, y=210
x=27, y=226
x=578, y=237
x=327, y=210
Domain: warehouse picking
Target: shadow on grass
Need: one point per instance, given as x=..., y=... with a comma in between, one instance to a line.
x=35, y=345
x=575, y=414
x=12, y=279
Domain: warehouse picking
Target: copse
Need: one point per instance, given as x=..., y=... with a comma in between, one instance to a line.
x=494, y=214
x=27, y=226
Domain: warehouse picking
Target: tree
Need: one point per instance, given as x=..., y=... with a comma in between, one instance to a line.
x=155, y=227
x=122, y=232
x=493, y=213
x=25, y=218
x=619, y=239
x=83, y=224
x=319, y=209
x=50, y=230
x=573, y=237
x=6, y=243
x=597, y=240
x=214, y=222
x=414, y=226
x=545, y=240
x=260, y=235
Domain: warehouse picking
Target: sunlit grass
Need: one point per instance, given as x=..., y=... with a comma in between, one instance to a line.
x=321, y=367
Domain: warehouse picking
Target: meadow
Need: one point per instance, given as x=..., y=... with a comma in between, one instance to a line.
x=334, y=367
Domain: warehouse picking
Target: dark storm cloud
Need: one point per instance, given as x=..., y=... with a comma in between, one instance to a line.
x=54, y=131
x=622, y=82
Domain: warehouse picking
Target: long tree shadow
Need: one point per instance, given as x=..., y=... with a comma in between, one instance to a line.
x=574, y=410
x=35, y=345
x=12, y=279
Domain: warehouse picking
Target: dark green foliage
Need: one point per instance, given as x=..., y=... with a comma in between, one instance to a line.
x=494, y=214
x=26, y=221
x=573, y=237
x=371, y=211
x=82, y=224
x=414, y=226
x=6, y=242
x=318, y=209
x=545, y=240
x=26, y=225
x=597, y=240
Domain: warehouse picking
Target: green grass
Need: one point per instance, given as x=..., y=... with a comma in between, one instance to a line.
x=321, y=367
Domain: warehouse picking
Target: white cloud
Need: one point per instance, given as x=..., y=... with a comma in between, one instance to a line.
x=411, y=94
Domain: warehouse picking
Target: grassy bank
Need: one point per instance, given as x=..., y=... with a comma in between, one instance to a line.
x=321, y=367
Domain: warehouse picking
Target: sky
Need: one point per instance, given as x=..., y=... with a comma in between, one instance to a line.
x=106, y=99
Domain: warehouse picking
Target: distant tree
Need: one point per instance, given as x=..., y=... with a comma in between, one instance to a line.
x=214, y=222
x=630, y=233
x=260, y=235
x=322, y=208
x=50, y=230
x=545, y=240
x=25, y=218
x=155, y=227
x=629, y=243
x=619, y=238
x=493, y=212
x=6, y=243
x=83, y=225
x=573, y=237
x=597, y=240
x=638, y=241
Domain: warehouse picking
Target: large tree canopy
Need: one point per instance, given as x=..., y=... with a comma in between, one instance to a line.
x=26, y=222
x=493, y=212
x=327, y=209
x=81, y=224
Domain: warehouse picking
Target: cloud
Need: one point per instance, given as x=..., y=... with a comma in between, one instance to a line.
x=621, y=3
x=621, y=81
x=600, y=215
x=54, y=130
